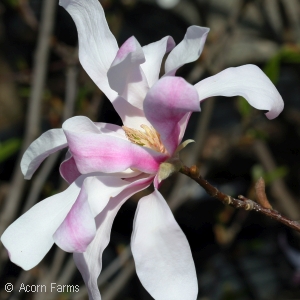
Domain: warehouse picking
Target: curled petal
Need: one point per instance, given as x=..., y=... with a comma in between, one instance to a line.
x=97, y=45
x=162, y=255
x=29, y=238
x=48, y=143
x=68, y=169
x=125, y=75
x=89, y=263
x=248, y=81
x=78, y=228
x=166, y=104
x=188, y=50
x=154, y=54
x=96, y=152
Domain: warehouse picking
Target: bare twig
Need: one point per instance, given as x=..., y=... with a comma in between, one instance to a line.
x=292, y=11
x=120, y=281
x=242, y=202
x=28, y=14
x=285, y=201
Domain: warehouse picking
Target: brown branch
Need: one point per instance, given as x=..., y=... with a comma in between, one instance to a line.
x=241, y=202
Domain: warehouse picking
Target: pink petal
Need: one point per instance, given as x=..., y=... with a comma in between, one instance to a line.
x=97, y=45
x=162, y=255
x=68, y=169
x=247, y=81
x=48, y=143
x=188, y=50
x=96, y=152
x=89, y=263
x=165, y=105
x=78, y=228
x=29, y=238
x=125, y=75
x=154, y=54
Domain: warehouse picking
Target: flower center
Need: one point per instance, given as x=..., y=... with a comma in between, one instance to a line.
x=148, y=137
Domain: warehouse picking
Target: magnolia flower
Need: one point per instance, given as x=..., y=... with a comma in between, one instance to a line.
x=105, y=164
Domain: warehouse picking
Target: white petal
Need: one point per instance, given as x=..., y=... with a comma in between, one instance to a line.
x=125, y=75
x=29, y=238
x=188, y=50
x=161, y=252
x=111, y=129
x=248, y=81
x=101, y=189
x=48, y=143
x=97, y=45
x=131, y=116
x=154, y=54
x=89, y=263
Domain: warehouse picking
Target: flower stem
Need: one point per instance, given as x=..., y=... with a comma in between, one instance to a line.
x=241, y=202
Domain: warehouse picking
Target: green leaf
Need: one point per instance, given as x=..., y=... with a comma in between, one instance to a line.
x=279, y=172
x=9, y=148
x=257, y=171
x=272, y=67
x=257, y=134
x=244, y=108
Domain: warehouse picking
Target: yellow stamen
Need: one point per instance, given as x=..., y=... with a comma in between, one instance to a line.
x=149, y=138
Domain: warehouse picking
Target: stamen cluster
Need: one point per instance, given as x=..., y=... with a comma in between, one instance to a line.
x=149, y=138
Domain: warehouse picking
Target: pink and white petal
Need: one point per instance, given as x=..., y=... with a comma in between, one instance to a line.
x=162, y=255
x=48, y=143
x=125, y=75
x=247, y=81
x=78, y=228
x=70, y=173
x=29, y=238
x=89, y=263
x=188, y=50
x=96, y=152
x=68, y=169
x=154, y=54
x=97, y=45
x=182, y=125
x=165, y=105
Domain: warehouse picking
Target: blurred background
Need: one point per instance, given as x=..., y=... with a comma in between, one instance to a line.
x=238, y=254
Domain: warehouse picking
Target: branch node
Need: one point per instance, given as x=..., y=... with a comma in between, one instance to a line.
x=228, y=200
x=249, y=205
x=194, y=171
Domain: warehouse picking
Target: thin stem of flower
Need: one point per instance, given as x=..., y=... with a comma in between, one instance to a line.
x=241, y=202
